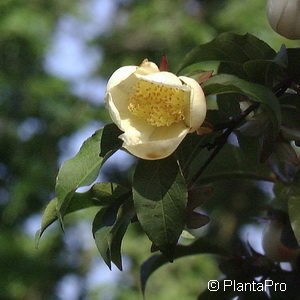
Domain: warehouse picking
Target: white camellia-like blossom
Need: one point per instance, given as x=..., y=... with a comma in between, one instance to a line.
x=155, y=109
x=284, y=17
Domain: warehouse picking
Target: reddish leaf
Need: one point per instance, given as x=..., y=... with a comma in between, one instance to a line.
x=163, y=65
x=196, y=220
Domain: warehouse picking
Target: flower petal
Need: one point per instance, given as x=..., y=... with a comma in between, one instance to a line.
x=197, y=111
x=120, y=75
x=162, y=142
x=147, y=67
x=165, y=78
x=122, y=117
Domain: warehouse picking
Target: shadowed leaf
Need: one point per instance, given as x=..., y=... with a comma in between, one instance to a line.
x=284, y=162
x=109, y=227
x=160, y=197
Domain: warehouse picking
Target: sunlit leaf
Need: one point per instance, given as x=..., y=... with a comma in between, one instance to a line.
x=49, y=216
x=224, y=84
x=200, y=76
x=84, y=167
x=100, y=194
x=229, y=47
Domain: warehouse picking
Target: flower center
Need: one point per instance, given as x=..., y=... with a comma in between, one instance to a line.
x=157, y=104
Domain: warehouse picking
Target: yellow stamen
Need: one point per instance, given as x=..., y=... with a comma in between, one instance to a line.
x=157, y=104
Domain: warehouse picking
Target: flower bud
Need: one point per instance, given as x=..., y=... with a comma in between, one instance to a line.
x=284, y=17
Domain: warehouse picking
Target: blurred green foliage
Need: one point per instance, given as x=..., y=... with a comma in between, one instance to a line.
x=31, y=97
x=36, y=111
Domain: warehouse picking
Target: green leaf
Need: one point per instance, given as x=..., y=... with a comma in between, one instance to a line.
x=201, y=246
x=294, y=213
x=107, y=192
x=83, y=168
x=290, y=108
x=233, y=68
x=284, y=162
x=229, y=105
x=265, y=72
x=225, y=84
x=109, y=227
x=290, y=100
x=250, y=147
x=124, y=217
x=231, y=162
x=200, y=76
x=291, y=134
x=229, y=47
x=100, y=194
x=292, y=194
x=109, y=139
x=294, y=63
x=102, y=224
x=268, y=71
x=190, y=148
x=160, y=197
x=49, y=216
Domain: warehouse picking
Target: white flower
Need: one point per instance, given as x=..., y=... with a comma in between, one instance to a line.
x=284, y=17
x=155, y=109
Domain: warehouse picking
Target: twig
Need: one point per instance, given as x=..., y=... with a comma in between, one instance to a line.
x=221, y=141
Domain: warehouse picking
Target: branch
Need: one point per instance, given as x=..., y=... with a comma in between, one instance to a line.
x=221, y=141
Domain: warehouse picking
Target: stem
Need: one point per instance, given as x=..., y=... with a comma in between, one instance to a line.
x=221, y=141
x=237, y=175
